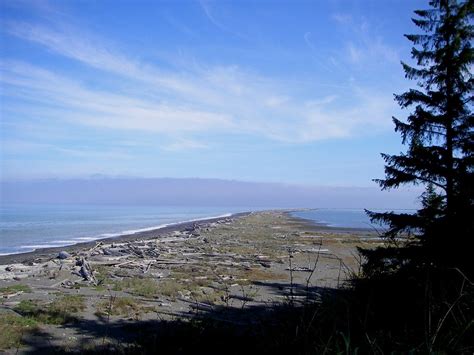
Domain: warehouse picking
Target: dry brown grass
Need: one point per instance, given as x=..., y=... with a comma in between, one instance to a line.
x=122, y=306
x=145, y=287
x=172, y=288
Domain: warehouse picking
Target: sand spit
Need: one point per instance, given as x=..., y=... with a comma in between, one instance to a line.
x=179, y=272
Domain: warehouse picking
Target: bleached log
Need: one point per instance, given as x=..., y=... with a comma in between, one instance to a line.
x=86, y=271
x=10, y=295
x=148, y=267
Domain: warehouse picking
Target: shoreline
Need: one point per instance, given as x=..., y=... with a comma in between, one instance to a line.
x=216, y=267
x=151, y=232
x=105, y=236
x=160, y=231
x=323, y=227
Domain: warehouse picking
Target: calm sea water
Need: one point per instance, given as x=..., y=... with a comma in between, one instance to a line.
x=28, y=227
x=346, y=218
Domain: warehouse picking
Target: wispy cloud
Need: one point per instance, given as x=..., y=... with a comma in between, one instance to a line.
x=18, y=147
x=321, y=60
x=343, y=19
x=96, y=52
x=179, y=26
x=365, y=44
x=62, y=97
x=82, y=48
x=208, y=11
x=197, y=98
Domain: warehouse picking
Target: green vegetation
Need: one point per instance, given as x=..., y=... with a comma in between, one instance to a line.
x=418, y=294
x=59, y=311
x=145, y=287
x=414, y=295
x=121, y=306
x=439, y=133
x=171, y=288
x=14, y=289
x=32, y=314
x=12, y=328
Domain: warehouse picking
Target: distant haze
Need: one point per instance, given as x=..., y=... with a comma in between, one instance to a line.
x=200, y=192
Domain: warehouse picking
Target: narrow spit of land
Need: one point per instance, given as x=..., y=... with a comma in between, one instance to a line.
x=85, y=295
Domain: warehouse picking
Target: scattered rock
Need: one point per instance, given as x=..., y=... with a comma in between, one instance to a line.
x=63, y=255
x=67, y=284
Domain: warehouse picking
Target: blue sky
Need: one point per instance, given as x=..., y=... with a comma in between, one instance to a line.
x=279, y=91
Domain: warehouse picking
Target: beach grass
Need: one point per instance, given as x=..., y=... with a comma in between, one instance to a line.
x=172, y=288
x=121, y=306
x=145, y=287
x=4, y=291
x=60, y=311
x=12, y=329
x=224, y=275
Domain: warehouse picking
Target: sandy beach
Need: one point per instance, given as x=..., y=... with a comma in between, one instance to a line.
x=69, y=297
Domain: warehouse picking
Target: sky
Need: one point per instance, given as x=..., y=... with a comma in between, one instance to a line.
x=297, y=92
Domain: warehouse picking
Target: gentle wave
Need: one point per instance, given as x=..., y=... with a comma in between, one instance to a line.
x=161, y=226
x=64, y=242
x=72, y=241
x=41, y=246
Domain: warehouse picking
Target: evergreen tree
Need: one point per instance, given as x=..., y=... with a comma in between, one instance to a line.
x=439, y=134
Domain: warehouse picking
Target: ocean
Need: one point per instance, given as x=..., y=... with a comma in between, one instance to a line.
x=343, y=218
x=25, y=228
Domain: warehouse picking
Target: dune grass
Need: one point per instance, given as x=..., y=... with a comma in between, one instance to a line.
x=4, y=291
x=145, y=287
x=121, y=306
x=60, y=311
x=12, y=329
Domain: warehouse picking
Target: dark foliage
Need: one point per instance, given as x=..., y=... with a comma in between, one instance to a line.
x=419, y=285
x=440, y=155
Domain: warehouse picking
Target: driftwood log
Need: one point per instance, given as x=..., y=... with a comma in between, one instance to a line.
x=86, y=271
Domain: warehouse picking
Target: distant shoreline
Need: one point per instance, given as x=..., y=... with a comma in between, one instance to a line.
x=105, y=236
x=159, y=231
x=51, y=252
x=323, y=227
x=240, y=263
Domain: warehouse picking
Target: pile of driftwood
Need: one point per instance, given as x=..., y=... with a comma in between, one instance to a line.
x=157, y=256
x=139, y=254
